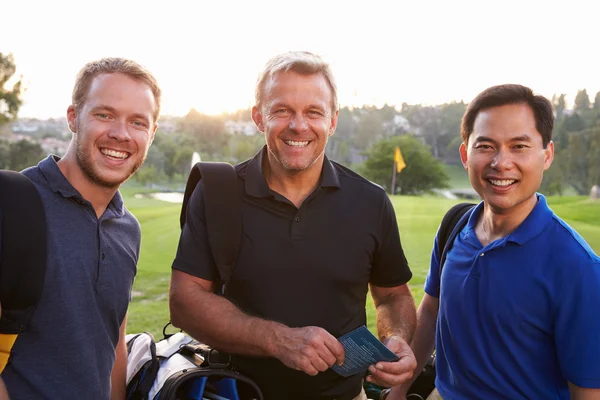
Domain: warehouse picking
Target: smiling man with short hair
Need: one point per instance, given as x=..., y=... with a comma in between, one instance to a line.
x=316, y=237
x=74, y=346
x=519, y=290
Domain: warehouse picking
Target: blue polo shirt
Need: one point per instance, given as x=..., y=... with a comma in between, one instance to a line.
x=68, y=350
x=518, y=318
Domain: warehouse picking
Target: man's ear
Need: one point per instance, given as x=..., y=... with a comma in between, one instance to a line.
x=463, y=155
x=334, y=122
x=257, y=117
x=548, y=155
x=153, y=132
x=72, y=118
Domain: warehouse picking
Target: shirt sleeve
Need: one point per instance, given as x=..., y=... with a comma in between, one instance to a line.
x=432, y=282
x=193, y=251
x=390, y=267
x=577, y=328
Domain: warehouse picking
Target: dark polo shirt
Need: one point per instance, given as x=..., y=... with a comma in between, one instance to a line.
x=68, y=350
x=307, y=266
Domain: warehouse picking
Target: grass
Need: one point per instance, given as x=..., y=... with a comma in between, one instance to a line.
x=418, y=220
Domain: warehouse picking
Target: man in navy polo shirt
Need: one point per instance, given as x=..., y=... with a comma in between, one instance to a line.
x=316, y=235
x=519, y=292
x=74, y=346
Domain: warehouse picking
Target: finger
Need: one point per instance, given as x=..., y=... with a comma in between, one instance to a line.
x=389, y=380
x=390, y=377
x=336, y=348
x=307, y=367
x=319, y=364
x=327, y=356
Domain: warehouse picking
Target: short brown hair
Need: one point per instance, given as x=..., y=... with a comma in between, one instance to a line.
x=113, y=65
x=301, y=62
x=501, y=95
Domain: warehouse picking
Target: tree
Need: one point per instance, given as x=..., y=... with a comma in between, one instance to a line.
x=559, y=104
x=423, y=172
x=208, y=132
x=10, y=99
x=582, y=100
x=597, y=102
x=581, y=159
x=4, y=154
x=24, y=153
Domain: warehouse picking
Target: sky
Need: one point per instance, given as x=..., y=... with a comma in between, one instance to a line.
x=207, y=55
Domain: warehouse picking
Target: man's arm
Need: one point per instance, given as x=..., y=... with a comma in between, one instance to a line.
x=3, y=392
x=396, y=320
x=119, y=371
x=423, y=341
x=214, y=320
x=579, y=393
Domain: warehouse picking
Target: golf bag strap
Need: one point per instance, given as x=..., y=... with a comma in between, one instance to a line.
x=223, y=210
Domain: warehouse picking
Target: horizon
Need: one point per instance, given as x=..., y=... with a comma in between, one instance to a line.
x=207, y=56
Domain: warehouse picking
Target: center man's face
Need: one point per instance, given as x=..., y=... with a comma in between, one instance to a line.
x=297, y=119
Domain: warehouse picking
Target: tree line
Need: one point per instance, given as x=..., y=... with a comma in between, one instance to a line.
x=429, y=136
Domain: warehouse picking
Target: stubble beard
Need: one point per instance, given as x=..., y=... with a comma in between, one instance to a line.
x=85, y=163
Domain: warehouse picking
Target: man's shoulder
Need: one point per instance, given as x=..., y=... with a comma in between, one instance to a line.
x=350, y=178
x=242, y=168
x=130, y=219
x=34, y=174
x=568, y=242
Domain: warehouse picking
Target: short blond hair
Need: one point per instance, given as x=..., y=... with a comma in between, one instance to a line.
x=301, y=62
x=113, y=65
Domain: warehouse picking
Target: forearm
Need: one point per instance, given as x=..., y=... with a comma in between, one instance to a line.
x=396, y=315
x=214, y=320
x=3, y=392
x=579, y=393
x=118, y=376
x=423, y=342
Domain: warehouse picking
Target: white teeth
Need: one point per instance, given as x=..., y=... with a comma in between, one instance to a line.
x=114, y=153
x=504, y=182
x=295, y=143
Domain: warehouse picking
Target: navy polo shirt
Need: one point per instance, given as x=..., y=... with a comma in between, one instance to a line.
x=68, y=351
x=307, y=266
x=518, y=318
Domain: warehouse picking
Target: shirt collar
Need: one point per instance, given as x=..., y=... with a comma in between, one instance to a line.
x=256, y=184
x=60, y=184
x=534, y=224
x=531, y=227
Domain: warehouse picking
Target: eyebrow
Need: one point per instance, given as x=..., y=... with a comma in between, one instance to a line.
x=522, y=138
x=114, y=110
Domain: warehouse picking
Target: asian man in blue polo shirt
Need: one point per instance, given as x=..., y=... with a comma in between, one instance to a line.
x=516, y=305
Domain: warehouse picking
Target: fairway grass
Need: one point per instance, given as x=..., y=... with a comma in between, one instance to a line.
x=418, y=220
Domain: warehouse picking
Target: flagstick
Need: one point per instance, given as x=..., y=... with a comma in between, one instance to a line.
x=393, y=178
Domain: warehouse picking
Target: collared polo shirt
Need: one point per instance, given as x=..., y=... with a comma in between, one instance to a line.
x=518, y=318
x=69, y=348
x=306, y=266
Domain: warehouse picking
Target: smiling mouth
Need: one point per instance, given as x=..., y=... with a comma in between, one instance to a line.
x=501, y=182
x=295, y=143
x=119, y=155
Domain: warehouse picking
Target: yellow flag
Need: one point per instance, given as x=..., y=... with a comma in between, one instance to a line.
x=399, y=160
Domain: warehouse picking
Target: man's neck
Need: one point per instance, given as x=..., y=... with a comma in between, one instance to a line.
x=296, y=186
x=495, y=224
x=97, y=195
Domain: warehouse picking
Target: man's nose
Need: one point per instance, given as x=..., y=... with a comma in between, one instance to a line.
x=298, y=123
x=120, y=131
x=502, y=160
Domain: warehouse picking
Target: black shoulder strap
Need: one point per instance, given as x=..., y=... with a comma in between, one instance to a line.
x=453, y=222
x=23, y=250
x=223, y=211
